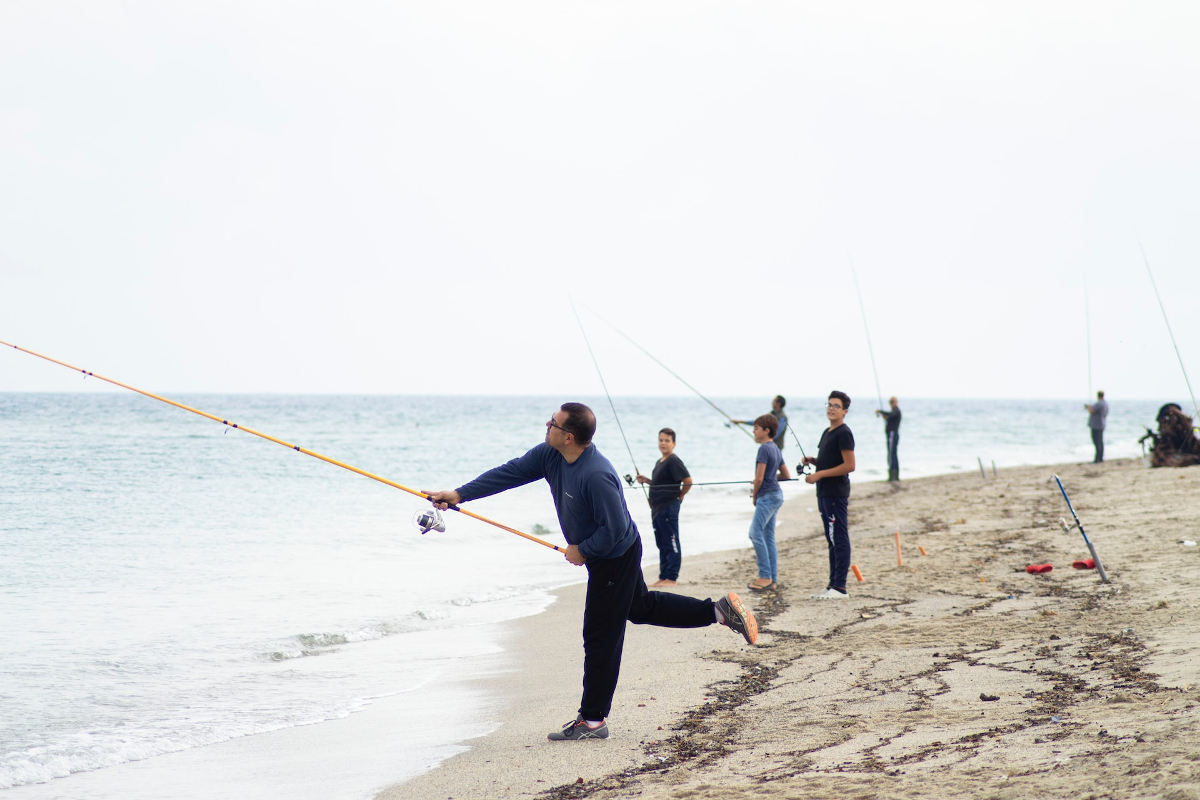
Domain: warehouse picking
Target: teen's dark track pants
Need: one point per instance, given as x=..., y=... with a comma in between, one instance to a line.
x=835, y=516
x=617, y=593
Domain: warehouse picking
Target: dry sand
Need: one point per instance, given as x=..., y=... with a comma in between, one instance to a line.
x=879, y=696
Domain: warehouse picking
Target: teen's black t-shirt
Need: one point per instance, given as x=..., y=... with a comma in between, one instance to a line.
x=829, y=455
x=665, y=482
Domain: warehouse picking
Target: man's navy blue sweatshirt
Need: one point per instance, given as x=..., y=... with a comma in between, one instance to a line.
x=587, y=495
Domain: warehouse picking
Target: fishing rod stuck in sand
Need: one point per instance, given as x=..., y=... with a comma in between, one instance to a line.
x=1066, y=529
x=429, y=520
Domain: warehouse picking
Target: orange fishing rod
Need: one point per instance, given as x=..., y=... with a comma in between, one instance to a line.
x=290, y=446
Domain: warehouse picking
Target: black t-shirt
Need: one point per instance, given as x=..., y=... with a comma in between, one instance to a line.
x=892, y=418
x=665, y=482
x=829, y=455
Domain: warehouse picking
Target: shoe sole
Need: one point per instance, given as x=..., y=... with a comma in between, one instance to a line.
x=748, y=620
x=583, y=738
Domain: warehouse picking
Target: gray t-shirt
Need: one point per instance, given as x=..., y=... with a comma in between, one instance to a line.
x=1098, y=416
x=769, y=454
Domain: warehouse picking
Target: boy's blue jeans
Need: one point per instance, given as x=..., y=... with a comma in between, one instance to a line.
x=762, y=534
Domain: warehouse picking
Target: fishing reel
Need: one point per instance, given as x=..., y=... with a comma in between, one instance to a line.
x=428, y=520
x=629, y=479
x=805, y=469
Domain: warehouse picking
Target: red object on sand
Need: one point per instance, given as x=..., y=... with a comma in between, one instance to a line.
x=1039, y=569
x=1084, y=564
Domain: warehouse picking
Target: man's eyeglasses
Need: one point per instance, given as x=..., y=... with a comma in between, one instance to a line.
x=833, y=405
x=552, y=424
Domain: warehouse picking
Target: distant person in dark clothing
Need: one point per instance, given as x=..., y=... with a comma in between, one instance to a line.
x=1097, y=419
x=769, y=469
x=781, y=420
x=669, y=482
x=835, y=462
x=590, y=502
x=893, y=437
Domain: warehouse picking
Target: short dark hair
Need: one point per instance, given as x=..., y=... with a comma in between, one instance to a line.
x=1100, y=393
x=845, y=398
x=769, y=423
x=781, y=400
x=668, y=432
x=580, y=422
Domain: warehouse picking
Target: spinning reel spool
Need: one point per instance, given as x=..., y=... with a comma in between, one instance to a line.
x=428, y=520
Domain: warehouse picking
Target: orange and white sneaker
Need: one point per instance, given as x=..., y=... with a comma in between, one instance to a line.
x=737, y=617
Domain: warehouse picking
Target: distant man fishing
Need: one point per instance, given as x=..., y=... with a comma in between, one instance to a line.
x=602, y=537
x=892, y=431
x=1097, y=420
x=669, y=482
x=777, y=412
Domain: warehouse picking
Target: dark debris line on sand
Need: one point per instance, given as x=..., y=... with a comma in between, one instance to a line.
x=1092, y=663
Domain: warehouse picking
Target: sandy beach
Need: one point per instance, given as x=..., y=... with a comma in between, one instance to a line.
x=880, y=696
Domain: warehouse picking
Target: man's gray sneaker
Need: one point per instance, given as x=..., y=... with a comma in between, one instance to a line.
x=578, y=729
x=738, y=617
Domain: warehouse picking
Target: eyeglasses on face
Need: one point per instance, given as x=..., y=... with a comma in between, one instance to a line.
x=552, y=424
x=838, y=406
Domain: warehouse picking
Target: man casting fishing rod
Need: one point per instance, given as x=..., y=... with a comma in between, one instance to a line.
x=602, y=537
x=777, y=412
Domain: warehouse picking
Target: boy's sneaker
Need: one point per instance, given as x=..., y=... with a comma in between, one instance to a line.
x=578, y=729
x=738, y=617
x=829, y=594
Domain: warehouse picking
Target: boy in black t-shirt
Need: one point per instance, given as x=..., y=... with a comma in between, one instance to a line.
x=669, y=482
x=835, y=462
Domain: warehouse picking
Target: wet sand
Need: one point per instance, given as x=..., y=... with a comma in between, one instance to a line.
x=880, y=695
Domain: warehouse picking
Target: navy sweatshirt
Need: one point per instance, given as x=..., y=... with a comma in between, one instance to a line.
x=587, y=495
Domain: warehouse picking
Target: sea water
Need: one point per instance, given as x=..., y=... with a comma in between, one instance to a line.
x=168, y=584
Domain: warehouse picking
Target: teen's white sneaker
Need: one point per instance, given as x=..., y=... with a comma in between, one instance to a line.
x=830, y=594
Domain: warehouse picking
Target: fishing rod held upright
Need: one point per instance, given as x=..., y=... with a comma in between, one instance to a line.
x=1195, y=407
x=425, y=522
x=862, y=309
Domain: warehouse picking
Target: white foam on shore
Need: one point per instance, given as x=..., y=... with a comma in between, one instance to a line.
x=381, y=741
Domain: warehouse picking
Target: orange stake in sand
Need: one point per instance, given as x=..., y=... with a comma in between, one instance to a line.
x=922, y=549
x=288, y=445
x=857, y=573
x=899, y=558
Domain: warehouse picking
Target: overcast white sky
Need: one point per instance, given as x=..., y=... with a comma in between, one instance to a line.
x=400, y=197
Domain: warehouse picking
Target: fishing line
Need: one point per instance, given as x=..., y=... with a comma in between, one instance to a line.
x=1087, y=327
x=611, y=405
x=679, y=378
x=430, y=522
x=674, y=373
x=730, y=483
x=862, y=309
x=1195, y=407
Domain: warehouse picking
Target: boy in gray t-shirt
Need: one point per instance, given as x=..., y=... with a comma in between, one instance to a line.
x=767, y=497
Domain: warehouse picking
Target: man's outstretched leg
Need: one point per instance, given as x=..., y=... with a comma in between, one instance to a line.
x=616, y=593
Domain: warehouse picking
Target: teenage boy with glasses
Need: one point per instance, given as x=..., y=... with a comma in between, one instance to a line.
x=835, y=462
x=590, y=502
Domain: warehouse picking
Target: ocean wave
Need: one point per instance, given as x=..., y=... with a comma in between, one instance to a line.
x=304, y=645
